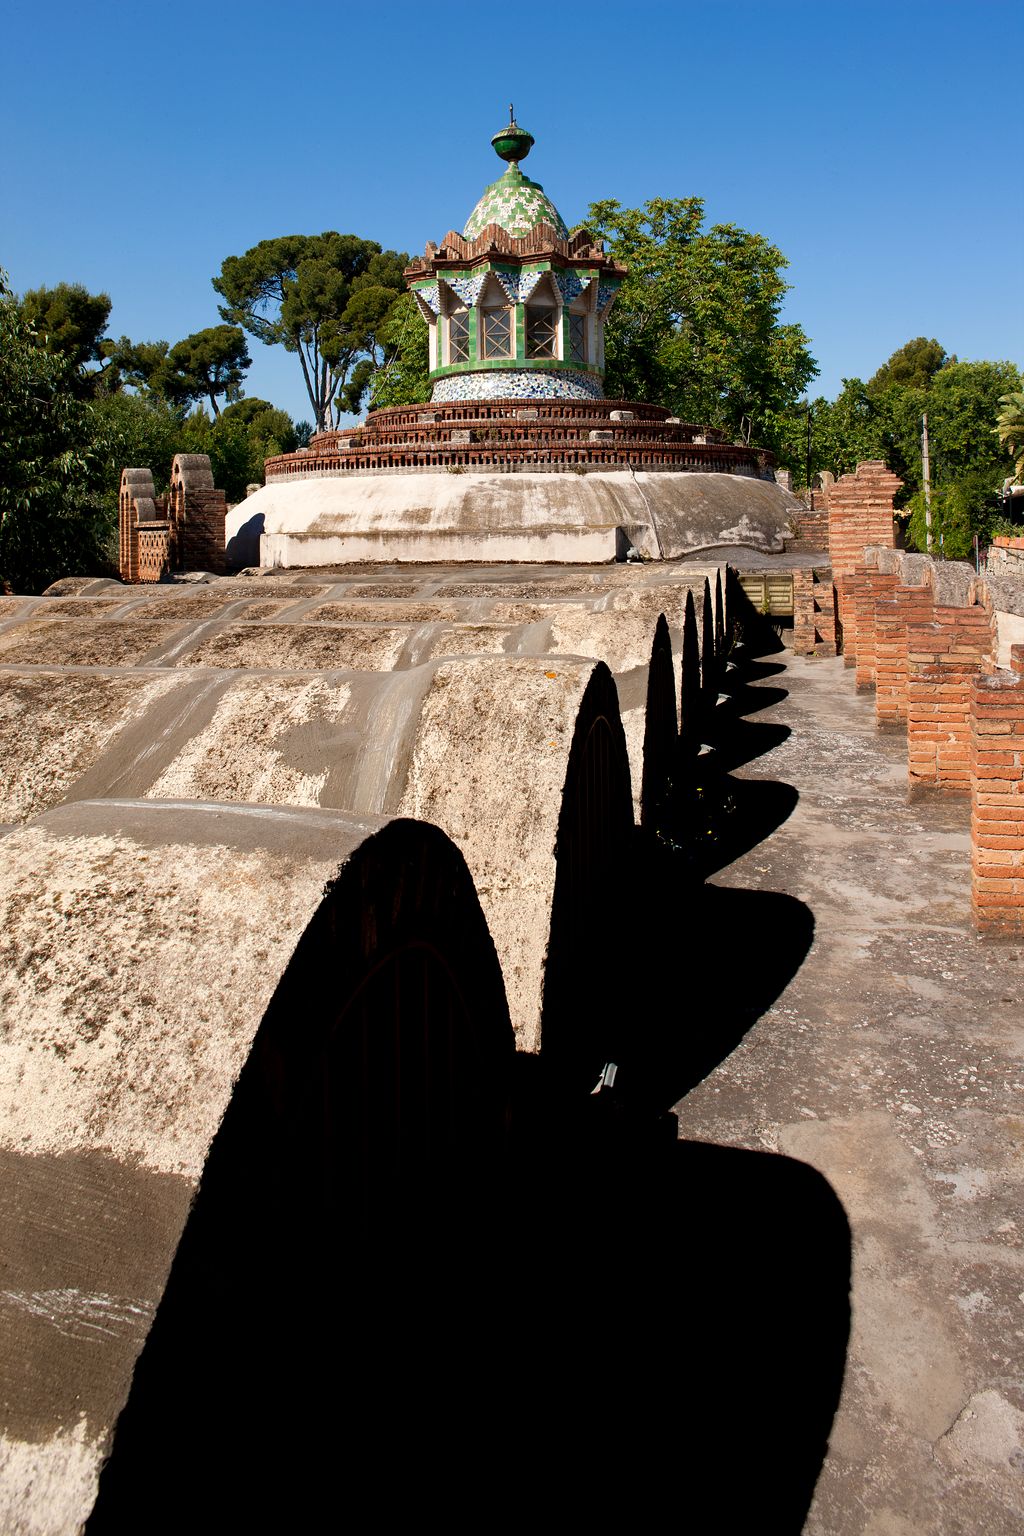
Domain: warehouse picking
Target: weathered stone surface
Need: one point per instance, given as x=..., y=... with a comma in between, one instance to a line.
x=496, y=785
x=143, y=944
x=419, y=516
x=890, y=1063
x=952, y=582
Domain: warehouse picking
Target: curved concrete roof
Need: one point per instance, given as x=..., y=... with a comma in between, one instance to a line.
x=147, y=947
x=67, y=699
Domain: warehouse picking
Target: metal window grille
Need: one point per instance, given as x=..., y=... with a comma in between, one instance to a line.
x=458, y=338
x=540, y=333
x=496, y=328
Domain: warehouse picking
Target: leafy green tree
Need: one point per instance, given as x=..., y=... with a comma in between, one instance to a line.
x=962, y=404
x=323, y=297
x=883, y=420
x=960, y=509
x=203, y=366
x=696, y=324
x=132, y=431
x=139, y=364
x=238, y=442
x=403, y=376
x=128, y=431
x=264, y=422
x=844, y=431
x=913, y=365
x=47, y=525
x=69, y=321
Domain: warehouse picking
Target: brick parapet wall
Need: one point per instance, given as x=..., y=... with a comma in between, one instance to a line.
x=943, y=659
x=860, y=512
x=199, y=517
x=629, y=451
x=859, y=594
x=182, y=530
x=135, y=502
x=997, y=802
x=907, y=606
x=503, y=436
x=923, y=633
x=810, y=529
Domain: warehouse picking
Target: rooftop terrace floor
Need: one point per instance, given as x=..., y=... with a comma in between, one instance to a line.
x=893, y=1063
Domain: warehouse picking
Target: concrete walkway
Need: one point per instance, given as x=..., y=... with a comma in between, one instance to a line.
x=892, y=1063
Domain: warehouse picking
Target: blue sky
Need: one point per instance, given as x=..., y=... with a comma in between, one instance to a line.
x=878, y=145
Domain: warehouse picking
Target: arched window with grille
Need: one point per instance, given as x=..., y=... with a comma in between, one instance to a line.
x=457, y=322
x=495, y=324
x=579, y=328
x=542, y=321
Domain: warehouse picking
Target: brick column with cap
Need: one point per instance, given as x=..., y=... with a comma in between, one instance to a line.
x=943, y=658
x=997, y=799
x=860, y=512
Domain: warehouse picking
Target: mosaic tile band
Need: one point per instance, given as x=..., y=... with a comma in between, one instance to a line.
x=518, y=288
x=516, y=384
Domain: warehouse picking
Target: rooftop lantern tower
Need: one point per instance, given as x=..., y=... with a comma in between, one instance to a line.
x=517, y=303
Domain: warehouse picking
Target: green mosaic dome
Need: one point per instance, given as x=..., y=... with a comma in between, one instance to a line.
x=517, y=204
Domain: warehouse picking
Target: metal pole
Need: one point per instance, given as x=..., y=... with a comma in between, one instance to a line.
x=926, y=477
x=808, y=448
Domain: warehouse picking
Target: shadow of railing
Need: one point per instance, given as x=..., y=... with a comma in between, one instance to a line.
x=614, y=1329
x=594, y=1320
x=688, y=1316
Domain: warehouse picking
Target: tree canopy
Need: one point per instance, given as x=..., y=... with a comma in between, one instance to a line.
x=202, y=367
x=913, y=366
x=402, y=376
x=323, y=297
x=883, y=420
x=68, y=321
x=1009, y=428
x=205, y=365
x=697, y=323
x=68, y=429
x=46, y=453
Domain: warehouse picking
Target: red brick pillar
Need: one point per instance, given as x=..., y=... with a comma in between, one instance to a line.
x=845, y=595
x=907, y=606
x=130, y=542
x=814, y=618
x=196, y=511
x=860, y=595
x=860, y=508
x=135, y=498
x=997, y=801
x=943, y=659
